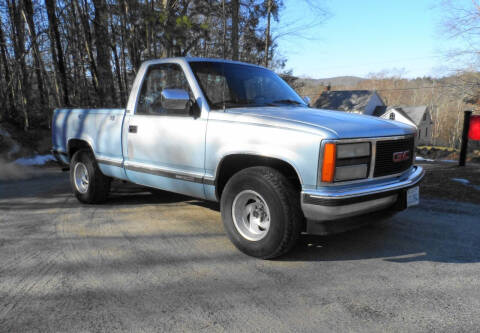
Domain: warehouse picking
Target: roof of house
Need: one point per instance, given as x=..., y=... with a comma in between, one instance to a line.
x=345, y=100
x=379, y=110
x=415, y=113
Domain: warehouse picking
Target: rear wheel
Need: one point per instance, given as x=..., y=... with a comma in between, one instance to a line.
x=88, y=183
x=261, y=212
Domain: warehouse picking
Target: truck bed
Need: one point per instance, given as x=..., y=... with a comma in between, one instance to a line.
x=100, y=128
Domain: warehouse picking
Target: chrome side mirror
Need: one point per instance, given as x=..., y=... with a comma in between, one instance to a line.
x=175, y=99
x=306, y=99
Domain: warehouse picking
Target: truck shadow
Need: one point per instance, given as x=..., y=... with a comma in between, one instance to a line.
x=436, y=231
x=425, y=233
x=130, y=194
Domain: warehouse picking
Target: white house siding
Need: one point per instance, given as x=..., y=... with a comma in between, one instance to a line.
x=398, y=117
x=425, y=129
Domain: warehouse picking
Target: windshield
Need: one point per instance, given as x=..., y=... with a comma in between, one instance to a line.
x=227, y=85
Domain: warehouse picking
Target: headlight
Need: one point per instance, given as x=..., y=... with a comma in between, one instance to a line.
x=351, y=172
x=342, y=162
x=352, y=150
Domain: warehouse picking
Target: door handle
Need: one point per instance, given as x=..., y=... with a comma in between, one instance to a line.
x=132, y=129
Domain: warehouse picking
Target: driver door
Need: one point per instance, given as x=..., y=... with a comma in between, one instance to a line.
x=165, y=149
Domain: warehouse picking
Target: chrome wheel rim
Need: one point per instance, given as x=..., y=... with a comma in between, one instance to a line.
x=80, y=175
x=251, y=215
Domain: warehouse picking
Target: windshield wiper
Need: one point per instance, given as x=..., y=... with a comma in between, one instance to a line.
x=286, y=101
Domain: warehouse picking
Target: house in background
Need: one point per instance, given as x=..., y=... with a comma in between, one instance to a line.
x=356, y=101
x=419, y=116
x=368, y=102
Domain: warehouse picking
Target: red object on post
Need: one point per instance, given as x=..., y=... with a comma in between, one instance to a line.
x=474, y=131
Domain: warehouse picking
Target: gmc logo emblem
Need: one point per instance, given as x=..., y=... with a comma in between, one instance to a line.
x=401, y=156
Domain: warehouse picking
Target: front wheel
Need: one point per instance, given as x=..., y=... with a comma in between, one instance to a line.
x=88, y=183
x=261, y=212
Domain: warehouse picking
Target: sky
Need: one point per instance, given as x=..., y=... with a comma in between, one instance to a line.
x=364, y=36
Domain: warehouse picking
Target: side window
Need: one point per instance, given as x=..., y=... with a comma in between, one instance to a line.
x=215, y=86
x=392, y=116
x=159, y=77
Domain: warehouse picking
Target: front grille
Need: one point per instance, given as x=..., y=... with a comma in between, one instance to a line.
x=384, y=164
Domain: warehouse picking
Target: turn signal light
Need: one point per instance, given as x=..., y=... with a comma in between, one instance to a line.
x=328, y=165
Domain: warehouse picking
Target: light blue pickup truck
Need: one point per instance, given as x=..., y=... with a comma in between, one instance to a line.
x=238, y=134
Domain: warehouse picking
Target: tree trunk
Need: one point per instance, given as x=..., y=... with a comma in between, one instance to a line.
x=85, y=97
x=153, y=33
x=119, y=76
x=18, y=33
x=27, y=12
x=267, y=32
x=148, y=33
x=224, y=37
x=123, y=35
x=106, y=87
x=167, y=28
x=10, y=102
x=58, y=57
x=235, y=24
x=87, y=40
x=118, y=71
x=131, y=36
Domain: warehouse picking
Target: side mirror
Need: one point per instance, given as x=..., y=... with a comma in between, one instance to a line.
x=195, y=111
x=307, y=100
x=175, y=99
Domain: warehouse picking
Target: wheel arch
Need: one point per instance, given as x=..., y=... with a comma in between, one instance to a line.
x=75, y=145
x=233, y=163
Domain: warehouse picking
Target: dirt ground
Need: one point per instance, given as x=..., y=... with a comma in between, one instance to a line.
x=444, y=180
x=149, y=263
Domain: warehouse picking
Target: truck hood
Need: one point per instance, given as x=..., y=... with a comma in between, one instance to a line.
x=333, y=124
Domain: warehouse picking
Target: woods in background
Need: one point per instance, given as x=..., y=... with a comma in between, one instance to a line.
x=79, y=53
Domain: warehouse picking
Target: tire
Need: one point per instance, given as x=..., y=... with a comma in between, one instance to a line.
x=264, y=199
x=89, y=185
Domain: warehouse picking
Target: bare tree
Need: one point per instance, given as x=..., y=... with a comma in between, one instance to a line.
x=27, y=12
x=87, y=52
x=9, y=106
x=461, y=21
x=106, y=88
x=267, y=32
x=235, y=24
x=18, y=37
x=224, y=36
x=57, y=50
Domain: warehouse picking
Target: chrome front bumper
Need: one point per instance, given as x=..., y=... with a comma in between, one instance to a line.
x=338, y=202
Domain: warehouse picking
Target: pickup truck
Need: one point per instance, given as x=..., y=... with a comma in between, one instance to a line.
x=237, y=134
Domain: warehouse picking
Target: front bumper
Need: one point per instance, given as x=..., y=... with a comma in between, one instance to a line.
x=339, y=202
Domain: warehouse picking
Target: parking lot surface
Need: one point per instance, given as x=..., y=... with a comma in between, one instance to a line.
x=161, y=262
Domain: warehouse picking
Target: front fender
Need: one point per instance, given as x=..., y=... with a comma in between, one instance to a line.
x=299, y=149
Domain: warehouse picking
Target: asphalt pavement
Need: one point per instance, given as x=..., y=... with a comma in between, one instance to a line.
x=161, y=262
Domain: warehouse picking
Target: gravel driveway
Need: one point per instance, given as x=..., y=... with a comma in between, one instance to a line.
x=161, y=262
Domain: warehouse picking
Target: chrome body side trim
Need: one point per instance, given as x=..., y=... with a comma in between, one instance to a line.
x=189, y=177
x=110, y=161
